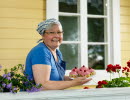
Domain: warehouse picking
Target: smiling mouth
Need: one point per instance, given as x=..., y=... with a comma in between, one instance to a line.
x=55, y=40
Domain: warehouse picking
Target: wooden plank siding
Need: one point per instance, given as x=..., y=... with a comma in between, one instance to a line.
x=125, y=30
x=18, y=22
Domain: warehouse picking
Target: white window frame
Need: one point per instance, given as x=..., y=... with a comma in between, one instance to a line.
x=114, y=52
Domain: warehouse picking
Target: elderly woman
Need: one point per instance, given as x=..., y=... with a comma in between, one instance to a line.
x=44, y=62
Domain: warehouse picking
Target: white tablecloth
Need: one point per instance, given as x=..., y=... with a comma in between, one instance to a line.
x=79, y=94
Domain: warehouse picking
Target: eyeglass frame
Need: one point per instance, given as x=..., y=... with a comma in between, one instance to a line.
x=49, y=33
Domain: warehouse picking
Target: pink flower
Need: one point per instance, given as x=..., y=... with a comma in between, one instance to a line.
x=104, y=82
x=100, y=83
x=128, y=63
x=113, y=68
x=118, y=66
x=109, y=68
x=99, y=86
x=126, y=69
x=86, y=87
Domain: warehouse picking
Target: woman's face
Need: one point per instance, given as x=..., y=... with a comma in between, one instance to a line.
x=53, y=39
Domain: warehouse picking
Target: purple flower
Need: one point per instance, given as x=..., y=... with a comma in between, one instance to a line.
x=8, y=78
x=14, y=88
x=5, y=75
x=37, y=84
x=11, y=91
x=9, y=74
x=9, y=86
x=0, y=66
x=33, y=89
x=26, y=83
x=3, y=84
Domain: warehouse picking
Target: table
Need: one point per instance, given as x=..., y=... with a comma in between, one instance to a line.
x=74, y=94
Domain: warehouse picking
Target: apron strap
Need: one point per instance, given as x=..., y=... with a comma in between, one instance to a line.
x=61, y=66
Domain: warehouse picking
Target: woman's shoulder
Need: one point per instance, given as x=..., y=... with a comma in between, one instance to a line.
x=40, y=48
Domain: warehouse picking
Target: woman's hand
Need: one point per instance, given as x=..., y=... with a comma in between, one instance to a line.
x=81, y=80
x=67, y=78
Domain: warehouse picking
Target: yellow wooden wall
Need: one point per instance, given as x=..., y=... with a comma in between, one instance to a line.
x=125, y=30
x=18, y=22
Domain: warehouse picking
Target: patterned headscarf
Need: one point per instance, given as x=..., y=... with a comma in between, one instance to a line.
x=43, y=25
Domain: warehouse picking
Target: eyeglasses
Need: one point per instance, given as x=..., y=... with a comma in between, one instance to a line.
x=59, y=33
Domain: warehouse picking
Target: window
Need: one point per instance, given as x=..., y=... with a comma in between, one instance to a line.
x=91, y=32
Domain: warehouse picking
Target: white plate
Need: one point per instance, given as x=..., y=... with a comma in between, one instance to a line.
x=86, y=77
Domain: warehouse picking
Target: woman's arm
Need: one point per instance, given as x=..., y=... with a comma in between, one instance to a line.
x=66, y=78
x=42, y=75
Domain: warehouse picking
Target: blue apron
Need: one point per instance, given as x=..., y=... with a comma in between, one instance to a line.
x=61, y=66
